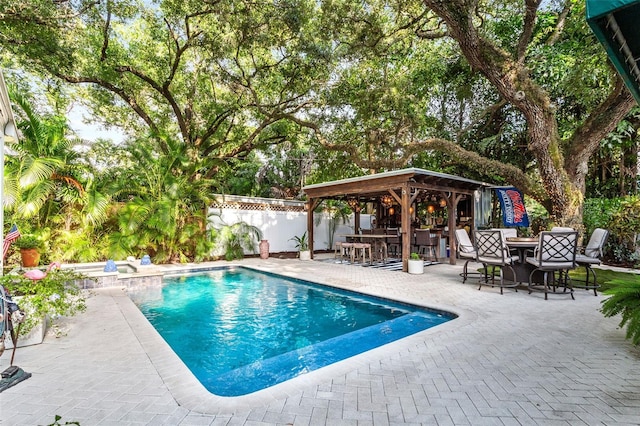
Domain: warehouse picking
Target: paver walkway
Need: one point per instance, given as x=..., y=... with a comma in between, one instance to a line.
x=512, y=359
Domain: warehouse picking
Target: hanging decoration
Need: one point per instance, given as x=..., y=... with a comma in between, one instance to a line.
x=354, y=204
x=386, y=201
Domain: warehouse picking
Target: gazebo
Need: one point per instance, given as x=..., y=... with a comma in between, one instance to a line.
x=403, y=188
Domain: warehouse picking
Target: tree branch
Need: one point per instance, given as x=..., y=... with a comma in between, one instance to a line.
x=562, y=19
x=130, y=100
x=600, y=122
x=105, y=34
x=529, y=21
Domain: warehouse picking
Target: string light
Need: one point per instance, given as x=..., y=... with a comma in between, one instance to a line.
x=354, y=204
x=386, y=200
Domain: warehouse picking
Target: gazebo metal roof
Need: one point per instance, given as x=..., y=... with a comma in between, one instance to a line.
x=379, y=183
x=405, y=186
x=616, y=25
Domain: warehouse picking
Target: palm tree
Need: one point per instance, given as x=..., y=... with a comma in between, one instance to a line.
x=165, y=206
x=47, y=188
x=43, y=168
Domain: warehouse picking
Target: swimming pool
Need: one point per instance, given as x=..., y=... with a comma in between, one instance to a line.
x=240, y=331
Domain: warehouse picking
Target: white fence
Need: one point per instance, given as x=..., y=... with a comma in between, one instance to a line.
x=279, y=221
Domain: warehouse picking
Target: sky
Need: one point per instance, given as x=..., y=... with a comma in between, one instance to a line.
x=91, y=132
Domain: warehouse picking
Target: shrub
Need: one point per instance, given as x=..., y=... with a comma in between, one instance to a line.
x=57, y=294
x=624, y=225
x=237, y=238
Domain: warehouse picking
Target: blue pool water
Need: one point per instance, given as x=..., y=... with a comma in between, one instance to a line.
x=240, y=331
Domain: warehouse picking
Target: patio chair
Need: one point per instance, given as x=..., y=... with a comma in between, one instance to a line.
x=555, y=254
x=426, y=243
x=492, y=251
x=591, y=256
x=508, y=233
x=393, y=242
x=562, y=229
x=465, y=250
x=380, y=246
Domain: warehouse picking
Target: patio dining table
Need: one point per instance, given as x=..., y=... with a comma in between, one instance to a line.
x=521, y=268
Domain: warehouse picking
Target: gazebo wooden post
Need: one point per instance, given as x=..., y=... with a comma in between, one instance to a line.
x=406, y=226
x=452, y=206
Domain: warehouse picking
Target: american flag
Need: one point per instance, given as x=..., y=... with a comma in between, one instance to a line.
x=14, y=234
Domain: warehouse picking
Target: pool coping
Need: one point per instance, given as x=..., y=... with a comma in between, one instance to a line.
x=191, y=394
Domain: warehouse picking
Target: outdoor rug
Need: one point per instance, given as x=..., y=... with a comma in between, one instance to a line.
x=393, y=264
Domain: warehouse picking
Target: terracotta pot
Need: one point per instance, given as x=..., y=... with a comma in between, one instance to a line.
x=30, y=257
x=264, y=249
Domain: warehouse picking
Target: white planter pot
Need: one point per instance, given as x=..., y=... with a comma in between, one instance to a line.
x=416, y=266
x=305, y=255
x=34, y=337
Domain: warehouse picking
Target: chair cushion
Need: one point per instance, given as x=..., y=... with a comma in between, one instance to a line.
x=555, y=266
x=498, y=260
x=467, y=254
x=596, y=242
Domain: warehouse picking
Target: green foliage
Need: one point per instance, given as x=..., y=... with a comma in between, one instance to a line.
x=28, y=242
x=598, y=212
x=625, y=301
x=57, y=420
x=302, y=242
x=57, y=294
x=166, y=208
x=238, y=238
x=338, y=213
x=414, y=256
x=624, y=225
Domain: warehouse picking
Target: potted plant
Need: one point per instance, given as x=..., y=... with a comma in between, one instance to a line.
x=416, y=265
x=302, y=244
x=237, y=239
x=29, y=246
x=43, y=300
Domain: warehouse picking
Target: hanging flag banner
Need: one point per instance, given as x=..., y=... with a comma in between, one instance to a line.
x=513, y=210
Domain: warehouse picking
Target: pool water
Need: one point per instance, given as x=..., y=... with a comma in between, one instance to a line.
x=240, y=331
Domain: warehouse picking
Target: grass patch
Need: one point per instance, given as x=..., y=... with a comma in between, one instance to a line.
x=604, y=276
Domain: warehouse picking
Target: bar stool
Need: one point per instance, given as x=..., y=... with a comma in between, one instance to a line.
x=337, y=249
x=360, y=250
x=346, y=250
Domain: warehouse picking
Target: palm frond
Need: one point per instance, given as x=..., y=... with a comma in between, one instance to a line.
x=625, y=301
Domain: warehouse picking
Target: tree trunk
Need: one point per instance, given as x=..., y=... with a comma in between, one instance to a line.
x=563, y=179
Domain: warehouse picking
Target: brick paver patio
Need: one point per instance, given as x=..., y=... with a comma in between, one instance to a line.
x=512, y=359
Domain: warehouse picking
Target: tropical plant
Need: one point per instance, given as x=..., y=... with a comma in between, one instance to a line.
x=237, y=238
x=414, y=256
x=28, y=242
x=165, y=205
x=57, y=294
x=338, y=214
x=625, y=300
x=302, y=242
x=43, y=167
